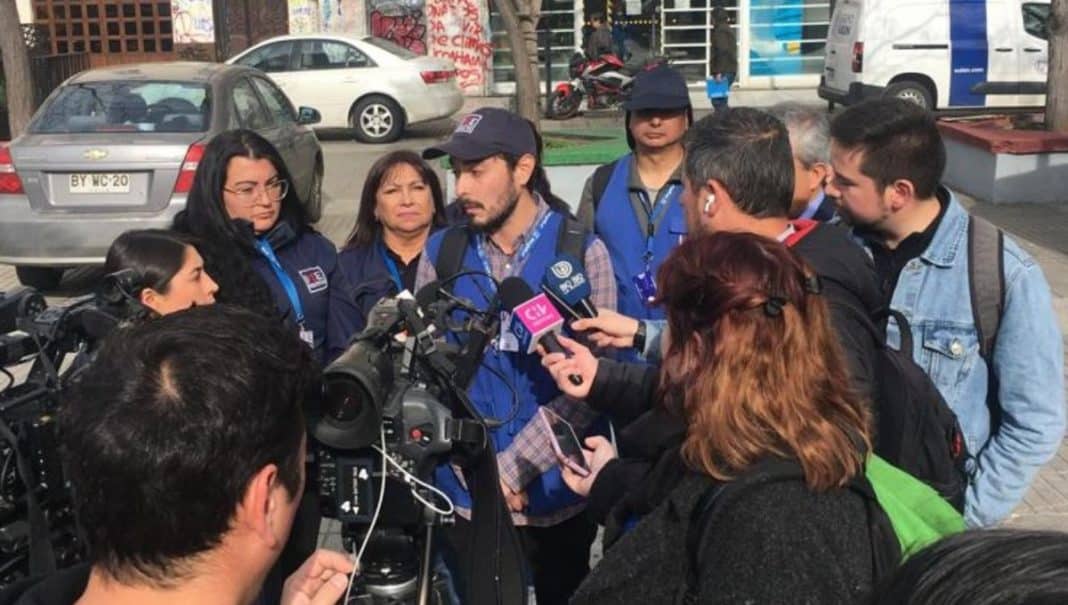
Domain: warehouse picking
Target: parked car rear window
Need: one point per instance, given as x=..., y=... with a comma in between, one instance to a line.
x=390, y=47
x=126, y=107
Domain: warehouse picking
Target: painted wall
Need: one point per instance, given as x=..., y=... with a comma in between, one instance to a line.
x=401, y=21
x=459, y=30
x=343, y=16
x=304, y=16
x=193, y=21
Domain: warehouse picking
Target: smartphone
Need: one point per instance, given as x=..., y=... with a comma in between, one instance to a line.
x=564, y=442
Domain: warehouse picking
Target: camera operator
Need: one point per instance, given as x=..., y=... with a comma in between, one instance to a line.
x=184, y=445
x=514, y=231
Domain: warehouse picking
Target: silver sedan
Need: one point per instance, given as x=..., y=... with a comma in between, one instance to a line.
x=115, y=148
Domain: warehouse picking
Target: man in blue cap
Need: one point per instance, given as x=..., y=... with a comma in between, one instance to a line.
x=632, y=203
x=512, y=230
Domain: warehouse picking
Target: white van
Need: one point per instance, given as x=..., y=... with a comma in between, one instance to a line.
x=941, y=54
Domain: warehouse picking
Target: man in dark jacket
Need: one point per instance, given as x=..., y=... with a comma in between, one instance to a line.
x=722, y=54
x=599, y=41
x=738, y=176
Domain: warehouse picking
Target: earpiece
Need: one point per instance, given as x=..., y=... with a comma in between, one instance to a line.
x=711, y=199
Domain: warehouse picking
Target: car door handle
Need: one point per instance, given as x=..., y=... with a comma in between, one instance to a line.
x=1032, y=50
x=1003, y=50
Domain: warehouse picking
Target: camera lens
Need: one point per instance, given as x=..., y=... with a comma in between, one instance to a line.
x=344, y=400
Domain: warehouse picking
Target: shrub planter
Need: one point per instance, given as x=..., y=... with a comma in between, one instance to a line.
x=995, y=160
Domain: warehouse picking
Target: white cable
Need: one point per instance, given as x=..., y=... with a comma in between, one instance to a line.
x=357, y=556
x=410, y=478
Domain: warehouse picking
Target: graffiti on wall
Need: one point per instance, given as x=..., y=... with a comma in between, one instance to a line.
x=343, y=16
x=303, y=16
x=459, y=30
x=192, y=21
x=400, y=21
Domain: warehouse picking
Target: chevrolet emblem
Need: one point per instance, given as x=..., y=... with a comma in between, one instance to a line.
x=95, y=154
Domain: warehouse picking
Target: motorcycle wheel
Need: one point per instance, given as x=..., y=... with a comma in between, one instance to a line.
x=563, y=106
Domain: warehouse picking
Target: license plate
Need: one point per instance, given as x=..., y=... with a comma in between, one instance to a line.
x=100, y=182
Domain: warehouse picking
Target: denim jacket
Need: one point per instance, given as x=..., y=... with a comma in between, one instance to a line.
x=1010, y=443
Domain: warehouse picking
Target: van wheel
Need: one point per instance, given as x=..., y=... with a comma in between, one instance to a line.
x=911, y=91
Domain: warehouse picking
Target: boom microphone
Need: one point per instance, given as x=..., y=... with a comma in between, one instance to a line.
x=534, y=319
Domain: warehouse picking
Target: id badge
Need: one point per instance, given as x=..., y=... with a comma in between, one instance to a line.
x=307, y=336
x=645, y=283
x=507, y=341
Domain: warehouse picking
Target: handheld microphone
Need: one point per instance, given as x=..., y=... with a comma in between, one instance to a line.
x=535, y=319
x=567, y=286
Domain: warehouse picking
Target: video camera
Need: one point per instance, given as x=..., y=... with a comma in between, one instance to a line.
x=38, y=532
x=394, y=408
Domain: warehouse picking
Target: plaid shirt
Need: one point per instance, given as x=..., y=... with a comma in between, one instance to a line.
x=531, y=453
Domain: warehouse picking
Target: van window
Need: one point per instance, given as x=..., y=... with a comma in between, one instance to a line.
x=1036, y=19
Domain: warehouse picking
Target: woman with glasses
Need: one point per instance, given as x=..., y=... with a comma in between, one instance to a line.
x=400, y=205
x=259, y=246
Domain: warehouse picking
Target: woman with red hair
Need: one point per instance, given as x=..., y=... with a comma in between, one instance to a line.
x=753, y=377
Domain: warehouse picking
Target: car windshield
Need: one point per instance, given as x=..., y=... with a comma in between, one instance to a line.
x=390, y=47
x=126, y=107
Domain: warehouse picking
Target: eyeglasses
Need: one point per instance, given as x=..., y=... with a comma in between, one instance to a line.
x=248, y=194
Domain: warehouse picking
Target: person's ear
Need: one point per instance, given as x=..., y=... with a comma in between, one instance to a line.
x=714, y=198
x=151, y=299
x=900, y=193
x=524, y=169
x=262, y=509
x=822, y=172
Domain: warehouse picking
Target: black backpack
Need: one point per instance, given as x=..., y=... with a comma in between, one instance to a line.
x=885, y=548
x=915, y=429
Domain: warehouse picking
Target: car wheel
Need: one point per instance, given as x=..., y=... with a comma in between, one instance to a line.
x=377, y=119
x=40, y=278
x=315, y=196
x=911, y=91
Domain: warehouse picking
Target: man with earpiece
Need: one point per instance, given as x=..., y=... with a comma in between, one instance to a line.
x=737, y=177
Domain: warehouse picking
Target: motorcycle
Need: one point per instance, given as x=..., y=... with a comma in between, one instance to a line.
x=603, y=82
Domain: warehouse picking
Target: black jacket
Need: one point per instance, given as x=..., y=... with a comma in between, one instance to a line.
x=723, y=55
x=634, y=484
x=772, y=543
x=64, y=587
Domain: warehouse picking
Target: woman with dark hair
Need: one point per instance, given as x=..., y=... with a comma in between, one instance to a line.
x=400, y=206
x=754, y=379
x=168, y=272
x=258, y=245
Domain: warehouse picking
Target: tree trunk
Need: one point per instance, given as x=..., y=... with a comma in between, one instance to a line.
x=528, y=24
x=526, y=83
x=17, y=79
x=1057, y=83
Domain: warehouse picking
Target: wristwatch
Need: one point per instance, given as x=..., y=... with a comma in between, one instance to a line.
x=639, y=337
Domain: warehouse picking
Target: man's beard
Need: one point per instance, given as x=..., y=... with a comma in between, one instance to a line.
x=494, y=223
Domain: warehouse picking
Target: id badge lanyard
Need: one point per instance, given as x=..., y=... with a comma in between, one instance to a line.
x=265, y=249
x=520, y=256
x=391, y=266
x=656, y=215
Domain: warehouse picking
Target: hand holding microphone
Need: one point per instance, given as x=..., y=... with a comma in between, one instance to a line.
x=535, y=321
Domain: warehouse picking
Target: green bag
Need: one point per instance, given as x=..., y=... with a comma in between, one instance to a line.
x=917, y=512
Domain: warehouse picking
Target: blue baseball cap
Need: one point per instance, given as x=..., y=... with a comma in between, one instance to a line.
x=658, y=88
x=484, y=132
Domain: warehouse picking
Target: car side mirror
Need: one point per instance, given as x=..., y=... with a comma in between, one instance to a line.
x=308, y=115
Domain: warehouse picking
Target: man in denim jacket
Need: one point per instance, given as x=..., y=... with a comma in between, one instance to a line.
x=888, y=158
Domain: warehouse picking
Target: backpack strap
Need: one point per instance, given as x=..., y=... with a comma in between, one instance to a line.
x=451, y=255
x=571, y=239
x=601, y=176
x=769, y=471
x=986, y=280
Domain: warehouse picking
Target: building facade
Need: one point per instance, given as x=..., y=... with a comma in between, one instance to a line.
x=780, y=42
